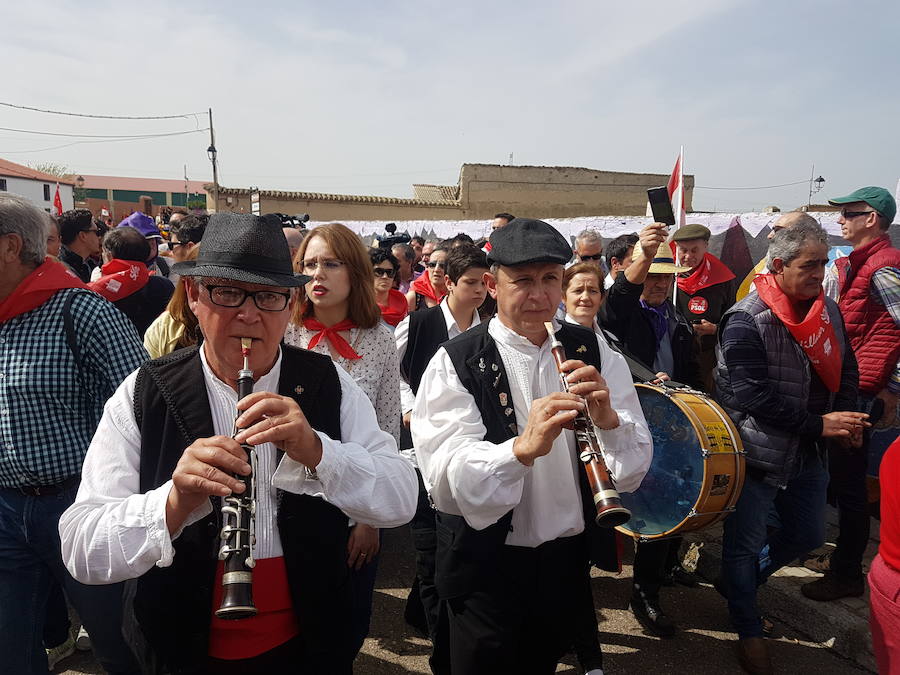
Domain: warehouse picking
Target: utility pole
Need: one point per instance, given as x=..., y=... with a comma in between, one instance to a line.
x=211, y=151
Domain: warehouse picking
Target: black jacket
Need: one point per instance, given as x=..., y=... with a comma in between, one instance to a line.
x=623, y=316
x=148, y=303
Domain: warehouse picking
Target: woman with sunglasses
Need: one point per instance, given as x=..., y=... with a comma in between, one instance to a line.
x=391, y=302
x=429, y=288
x=337, y=315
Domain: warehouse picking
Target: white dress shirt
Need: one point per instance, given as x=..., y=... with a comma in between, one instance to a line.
x=113, y=532
x=482, y=481
x=401, y=335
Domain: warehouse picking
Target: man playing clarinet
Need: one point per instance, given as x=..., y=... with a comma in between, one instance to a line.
x=491, y=425
x=163, y=460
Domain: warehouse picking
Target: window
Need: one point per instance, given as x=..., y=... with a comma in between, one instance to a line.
x=2, y=185
x=46, y=192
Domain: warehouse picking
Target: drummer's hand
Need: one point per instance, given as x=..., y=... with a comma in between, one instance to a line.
x=705, y=328
x=661, y=377
x=586, y=381
x=204, y=470
x=548, y=416
x=270, y=418
x=844, y=424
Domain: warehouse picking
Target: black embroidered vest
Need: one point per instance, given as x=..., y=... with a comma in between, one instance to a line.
x=168, y=625
x=468, y=559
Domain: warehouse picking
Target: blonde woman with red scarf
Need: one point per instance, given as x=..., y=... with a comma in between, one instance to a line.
x=337, y=315
x=429, y=288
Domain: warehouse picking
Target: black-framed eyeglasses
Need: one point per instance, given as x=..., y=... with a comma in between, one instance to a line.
x=599, y=256
x=854, y=214
x=231, y=296
x=431, y=264
x=384, y=272
x=173, y=244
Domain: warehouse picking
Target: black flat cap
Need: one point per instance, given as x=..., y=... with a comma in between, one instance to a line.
x=525, y=241
x=243, y=247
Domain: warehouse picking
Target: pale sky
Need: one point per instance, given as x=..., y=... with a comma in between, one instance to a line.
x=368, y=98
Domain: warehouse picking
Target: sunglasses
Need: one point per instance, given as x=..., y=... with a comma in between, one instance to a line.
x=599, y=256
x=854, y=214
x=383, y=272
x=431, y=264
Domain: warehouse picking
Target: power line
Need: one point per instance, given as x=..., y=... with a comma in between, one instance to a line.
x=108, y=140
x=132, y=136
x=102, y=117
x=763, y=187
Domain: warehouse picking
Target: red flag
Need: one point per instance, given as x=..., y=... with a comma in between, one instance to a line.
x=57, y=202
x=675, y=188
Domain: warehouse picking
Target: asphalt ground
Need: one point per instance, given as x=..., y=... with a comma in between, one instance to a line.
x=704, y=643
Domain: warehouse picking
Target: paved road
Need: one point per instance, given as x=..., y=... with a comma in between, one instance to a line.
x=704, y=644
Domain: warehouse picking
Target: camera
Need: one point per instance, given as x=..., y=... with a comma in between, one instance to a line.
x=392, y=238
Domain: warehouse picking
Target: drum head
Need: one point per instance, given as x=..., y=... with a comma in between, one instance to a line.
x=672, y=485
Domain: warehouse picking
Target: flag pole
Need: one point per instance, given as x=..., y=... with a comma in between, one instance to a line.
x=677, y=210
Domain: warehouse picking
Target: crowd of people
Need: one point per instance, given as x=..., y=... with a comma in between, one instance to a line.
x=414, y=382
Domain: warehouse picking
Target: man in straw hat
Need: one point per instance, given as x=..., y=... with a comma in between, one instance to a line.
x=787, y=376
x=163, y=457
x=640, y=312
x=491, y=430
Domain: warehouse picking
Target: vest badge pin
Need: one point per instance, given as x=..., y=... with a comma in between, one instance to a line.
x=508, y=412
x=503, y=398
x=581, y=349
x=298, y=390
x=481, y=365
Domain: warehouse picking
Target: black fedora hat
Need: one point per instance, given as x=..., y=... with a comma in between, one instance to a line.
x=243, y=247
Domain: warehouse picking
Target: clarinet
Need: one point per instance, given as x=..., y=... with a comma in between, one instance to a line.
x=610, y=511
x=239, y=524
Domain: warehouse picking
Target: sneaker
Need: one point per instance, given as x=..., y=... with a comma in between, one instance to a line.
x=819, y=563
x=83, y=641
x=60, y=652
x=832, y=587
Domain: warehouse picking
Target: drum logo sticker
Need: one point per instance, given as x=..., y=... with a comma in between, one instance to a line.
x=698, y=304
x=720, y=484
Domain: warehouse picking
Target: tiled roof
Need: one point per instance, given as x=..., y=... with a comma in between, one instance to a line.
x=326, y=197
x=139, y=184
x=436, y=192
x=12, y=169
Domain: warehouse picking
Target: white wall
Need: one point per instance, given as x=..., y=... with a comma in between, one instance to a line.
x=34, y=190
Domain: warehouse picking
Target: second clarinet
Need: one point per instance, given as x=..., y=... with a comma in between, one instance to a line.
x=610, y=511
x=239, y=524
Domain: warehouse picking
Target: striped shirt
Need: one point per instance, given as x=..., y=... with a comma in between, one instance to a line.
x=49, y=407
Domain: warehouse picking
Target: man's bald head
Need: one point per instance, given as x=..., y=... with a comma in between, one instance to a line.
x=294, y=239
x=790, y=220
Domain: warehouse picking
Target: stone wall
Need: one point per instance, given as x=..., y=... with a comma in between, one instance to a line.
x=483, y=189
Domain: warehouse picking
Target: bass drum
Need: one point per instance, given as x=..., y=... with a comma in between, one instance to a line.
x=698, y=465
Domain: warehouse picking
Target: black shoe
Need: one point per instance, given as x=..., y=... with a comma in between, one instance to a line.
x=832, y=587
x=649, y=614
x=679, y=575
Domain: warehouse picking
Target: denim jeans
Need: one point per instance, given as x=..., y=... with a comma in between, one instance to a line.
x=745, y=561
x=30, y=560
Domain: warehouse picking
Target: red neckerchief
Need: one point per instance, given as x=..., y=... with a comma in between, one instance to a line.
x=423, y=286
x=38, y=287
x=331, y=333
x=120, y=279
x=396, y=309
x=708, y=273
x=814, y=332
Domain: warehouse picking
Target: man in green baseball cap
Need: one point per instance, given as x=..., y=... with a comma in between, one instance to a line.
x=869, y=298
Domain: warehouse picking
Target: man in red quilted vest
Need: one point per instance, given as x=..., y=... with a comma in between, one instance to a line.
x=869, y=287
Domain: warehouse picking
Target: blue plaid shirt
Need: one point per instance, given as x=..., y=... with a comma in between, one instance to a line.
x=48, y=416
